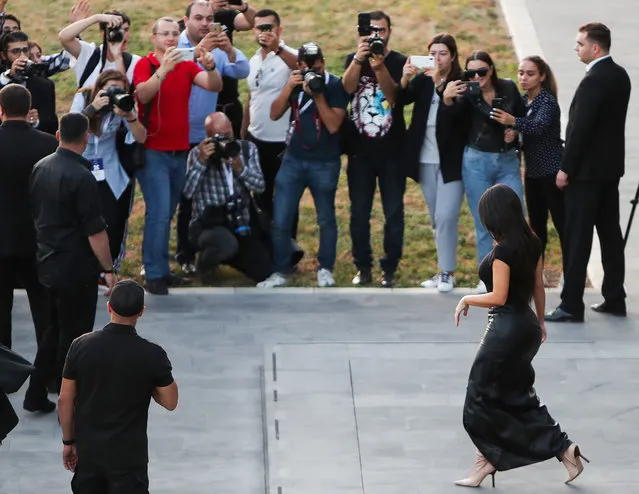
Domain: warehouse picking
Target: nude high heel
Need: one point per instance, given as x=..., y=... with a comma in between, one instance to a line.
x=571, y=459
x=482, y=469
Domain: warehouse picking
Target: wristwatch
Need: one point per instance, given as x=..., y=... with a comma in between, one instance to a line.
x=245, y=8
x=68, y=442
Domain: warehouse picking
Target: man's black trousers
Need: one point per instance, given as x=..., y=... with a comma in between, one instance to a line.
x=248, y=254
x=363, y=173
x=23, y=270
x=93, y=479
x=589, y=205
x=72, y=314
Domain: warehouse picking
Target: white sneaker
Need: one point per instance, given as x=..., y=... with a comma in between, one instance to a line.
x=273, y=281
x=325, y=278
x=481, y=287
x=446, y=282
x=432, y=283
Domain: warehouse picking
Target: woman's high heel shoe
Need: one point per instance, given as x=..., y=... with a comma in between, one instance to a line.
x=571, y=459
x=481, y=470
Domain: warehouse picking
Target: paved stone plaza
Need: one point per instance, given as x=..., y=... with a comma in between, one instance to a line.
x=408, y=364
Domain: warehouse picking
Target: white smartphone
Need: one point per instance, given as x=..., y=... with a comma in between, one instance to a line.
x=186, y=54
x=423, y=61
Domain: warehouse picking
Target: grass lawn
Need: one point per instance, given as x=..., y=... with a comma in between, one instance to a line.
x=477, y=24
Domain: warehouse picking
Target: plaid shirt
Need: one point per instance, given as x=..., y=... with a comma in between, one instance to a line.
x=57, y=63
x=206, y=185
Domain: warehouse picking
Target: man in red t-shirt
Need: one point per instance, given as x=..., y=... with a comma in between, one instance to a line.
x=163, y=81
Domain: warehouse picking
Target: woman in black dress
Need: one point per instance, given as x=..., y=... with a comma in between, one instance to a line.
x=502, y=413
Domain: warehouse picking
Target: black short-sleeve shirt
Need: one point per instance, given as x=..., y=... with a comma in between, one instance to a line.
x=115, y=371
x=522, y=270
x=66, y=209
x=376, y=127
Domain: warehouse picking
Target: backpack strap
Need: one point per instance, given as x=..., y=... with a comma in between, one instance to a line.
x=94, y=60
x=90, y=67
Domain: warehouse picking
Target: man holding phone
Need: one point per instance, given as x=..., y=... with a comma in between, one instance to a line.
x=203, y=35
x=374, y=132
x=164, y=73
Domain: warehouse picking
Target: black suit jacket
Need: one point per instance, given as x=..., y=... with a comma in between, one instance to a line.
x=595, y=136
x=21, y=147
x=451, y=130
x=43, y=99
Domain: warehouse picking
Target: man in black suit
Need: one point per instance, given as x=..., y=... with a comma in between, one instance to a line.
x=19, y=70
x=22, y=147
x=590, y=172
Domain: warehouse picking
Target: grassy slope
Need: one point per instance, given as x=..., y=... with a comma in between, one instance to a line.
x=477, y=24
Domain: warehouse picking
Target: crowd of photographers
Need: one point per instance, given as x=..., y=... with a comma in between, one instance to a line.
x=153, y=121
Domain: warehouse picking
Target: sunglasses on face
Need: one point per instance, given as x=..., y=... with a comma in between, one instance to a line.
x=471, y=73
x=19, y=51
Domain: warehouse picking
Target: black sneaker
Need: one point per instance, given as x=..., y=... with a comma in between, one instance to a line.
x=388, y=280
x=174, y=280
x=363, y=277
x=157, y=286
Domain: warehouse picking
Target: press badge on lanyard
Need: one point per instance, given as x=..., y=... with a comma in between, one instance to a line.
x=97, y=168
x=297, y=112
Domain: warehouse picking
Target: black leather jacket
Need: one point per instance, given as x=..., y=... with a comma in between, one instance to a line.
x=485, y=134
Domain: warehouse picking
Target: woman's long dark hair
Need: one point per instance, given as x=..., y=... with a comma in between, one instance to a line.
x=95, y=122
x=550, y=83
x=502, y=215
x=451, y=44
x=487, y=59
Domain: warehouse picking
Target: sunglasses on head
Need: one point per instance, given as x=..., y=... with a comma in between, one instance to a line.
x=471, y=73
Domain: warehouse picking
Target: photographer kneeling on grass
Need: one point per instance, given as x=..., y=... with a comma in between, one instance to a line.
x=222, y=173
x=318, y=104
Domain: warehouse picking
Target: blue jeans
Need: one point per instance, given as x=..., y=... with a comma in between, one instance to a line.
x=292, y=179
x=161, y=181
x=480, y=171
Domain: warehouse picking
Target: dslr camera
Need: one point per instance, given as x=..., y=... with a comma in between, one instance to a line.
x=364, y=28
x=235, y=208
x=314, y=80
x=112, y=34
x=312, y=77
x=225, y=147
x=120, y=98
x=31, y=69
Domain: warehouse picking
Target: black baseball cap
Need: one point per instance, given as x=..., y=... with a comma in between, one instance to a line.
x=127, y=298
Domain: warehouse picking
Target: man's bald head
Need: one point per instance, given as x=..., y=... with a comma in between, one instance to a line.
x=218, y=123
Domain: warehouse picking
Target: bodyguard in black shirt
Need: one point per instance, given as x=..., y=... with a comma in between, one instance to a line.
x=108, y=381
x=374, y=131
x=22, y=147
x=73, y=247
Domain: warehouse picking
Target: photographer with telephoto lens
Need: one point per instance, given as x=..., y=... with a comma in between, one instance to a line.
x=110, y=55
x=222, y=173
x=312, y=159
x=110, y=109
x=372, y=138
x=18, y=69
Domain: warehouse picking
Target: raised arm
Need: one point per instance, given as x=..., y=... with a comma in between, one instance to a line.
x=69, y=35
x=282, y=102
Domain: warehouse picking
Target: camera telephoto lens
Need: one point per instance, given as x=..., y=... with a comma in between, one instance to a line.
x=314, y=80
x=377, y=44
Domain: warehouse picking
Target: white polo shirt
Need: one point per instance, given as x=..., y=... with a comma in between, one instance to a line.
x=266, y=80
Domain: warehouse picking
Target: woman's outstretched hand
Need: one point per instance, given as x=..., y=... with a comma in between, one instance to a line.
x=462, y=307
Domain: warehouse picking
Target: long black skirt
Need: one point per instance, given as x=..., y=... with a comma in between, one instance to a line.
x=502, y=413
